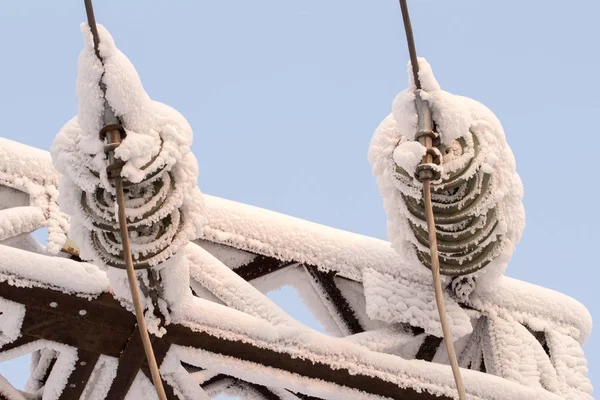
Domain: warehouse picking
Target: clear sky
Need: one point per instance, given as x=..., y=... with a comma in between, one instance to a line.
x=283, y=97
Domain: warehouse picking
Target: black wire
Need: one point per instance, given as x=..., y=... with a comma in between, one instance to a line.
x=89, y=10
x=410, y=41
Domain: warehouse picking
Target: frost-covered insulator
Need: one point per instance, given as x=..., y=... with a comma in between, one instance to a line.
x=163, y=203
x=477, y=204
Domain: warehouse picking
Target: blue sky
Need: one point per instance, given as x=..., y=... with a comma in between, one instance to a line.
x=284, y=96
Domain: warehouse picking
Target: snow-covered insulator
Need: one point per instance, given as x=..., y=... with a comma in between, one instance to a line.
x=152, y=221
x=464, y=232
x=476, y=197
x=159, y=172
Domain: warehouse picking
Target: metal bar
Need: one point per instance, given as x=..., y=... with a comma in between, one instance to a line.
x=103, y=310
x=20, y=341
x=130, y=361
x=428, y=348
x=82, y=335
x=261, y=266
x=86, y=361
x=333, y=294
x=288, y=361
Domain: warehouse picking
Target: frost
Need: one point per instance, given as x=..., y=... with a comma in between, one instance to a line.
x=484, y=154
x=393, y=299
x=18, y=220
x=11, y=319
x=571, y=366
x=162, y=202
x=516, y=355
x=29, y=171
x=101, y=379
x=230, y=288
x=384, y=287
x=8, y=392
x=409, y=154
x=23, y=268
x=431, y=377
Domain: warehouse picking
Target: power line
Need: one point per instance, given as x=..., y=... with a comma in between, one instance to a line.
x=425, y=172
x=113, y=131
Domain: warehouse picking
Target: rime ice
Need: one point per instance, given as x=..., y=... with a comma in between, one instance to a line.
x=163, y=204
x=475, y=149
x=388, y=294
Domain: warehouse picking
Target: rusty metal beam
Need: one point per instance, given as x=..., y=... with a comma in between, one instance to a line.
x=261, y=266
x=326, y=280
x=215, y=379
x=79, y=334
x=130, y=361
x=20, y=341
x=168, y=388
x=184, y=336
x=428, y=348
x=305, y=397
x=106, y=328
x=102, y=310
x=86, y=361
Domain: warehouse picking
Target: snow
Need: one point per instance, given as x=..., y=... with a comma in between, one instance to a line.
x=395, y=292
x=517, y=356
x=25, y=167
x=386, y=340
x=8, y=392
x=287, y=238
x=59, y=375
x=354, y=294
x=570, y=365
x=10, y=197
x=265, y=232
x=162, y=202
x=11, y=319
x=540, y=308
x=101, y=378
x=317, y=300
x=29, y=170
x=141, y=388
x=156, y=155
x=393, y=299
x=408, y=155
x=340, y=353
x=17, y=220
x=231, y=289
x=184, y=385
x=269, y=233
x=26, y=269
x=456, y=118
x=233, y=258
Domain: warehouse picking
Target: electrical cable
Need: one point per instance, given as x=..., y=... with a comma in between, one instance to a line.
x=425, y=174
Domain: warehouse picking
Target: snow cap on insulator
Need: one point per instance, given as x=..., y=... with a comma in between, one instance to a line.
x=477, y=201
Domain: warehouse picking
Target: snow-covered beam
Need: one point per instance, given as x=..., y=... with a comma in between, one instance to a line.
x=102, y=326
x=287, y=361
x=97, y=326
x=8, y=392
x=326, y=287
x=261, y=266
x=220, y=380
x=130, y=361
x=84, y=366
